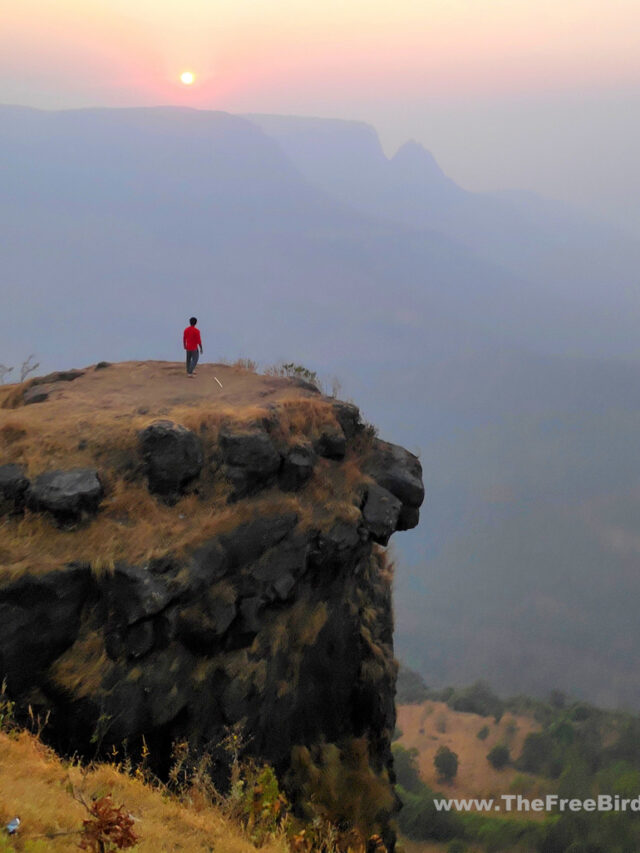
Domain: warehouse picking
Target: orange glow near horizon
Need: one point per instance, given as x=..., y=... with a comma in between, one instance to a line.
x=256, y=53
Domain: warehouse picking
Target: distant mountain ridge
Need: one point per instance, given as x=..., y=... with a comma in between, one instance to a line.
x=523, y=232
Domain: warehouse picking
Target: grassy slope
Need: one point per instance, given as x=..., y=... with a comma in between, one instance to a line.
x=35, y=785
x=430, y=725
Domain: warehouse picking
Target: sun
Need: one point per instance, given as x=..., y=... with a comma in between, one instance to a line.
x=187, y=78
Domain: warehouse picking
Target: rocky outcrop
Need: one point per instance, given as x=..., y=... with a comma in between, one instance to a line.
x=280, y=623
x=400, y=473
x=39, y=389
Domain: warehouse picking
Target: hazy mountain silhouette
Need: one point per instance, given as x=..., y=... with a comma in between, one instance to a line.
x=433, y=306
x=537, y=238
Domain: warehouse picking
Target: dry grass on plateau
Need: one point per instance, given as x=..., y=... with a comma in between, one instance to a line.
x=36, y=786
x=94, y=421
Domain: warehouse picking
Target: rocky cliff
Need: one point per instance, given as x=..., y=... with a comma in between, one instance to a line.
x=185, y=559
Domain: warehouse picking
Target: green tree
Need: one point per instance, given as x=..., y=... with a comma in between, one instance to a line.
x=499, y=756
x=446, y=763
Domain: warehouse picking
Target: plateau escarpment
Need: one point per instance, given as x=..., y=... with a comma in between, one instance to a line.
x=178, y=563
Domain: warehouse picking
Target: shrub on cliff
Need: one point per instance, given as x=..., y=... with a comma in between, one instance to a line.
x=339, y=785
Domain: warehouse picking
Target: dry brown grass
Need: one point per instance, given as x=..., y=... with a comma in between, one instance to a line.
x=36, y=785
x=132, y=526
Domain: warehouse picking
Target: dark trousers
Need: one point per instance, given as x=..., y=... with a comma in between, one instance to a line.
x=192, y=359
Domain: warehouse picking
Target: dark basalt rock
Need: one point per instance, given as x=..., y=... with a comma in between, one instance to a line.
x=399, y=472
x=132, y=593
x=297, y=467
x=209, y=563
x=251, y=461
x=331, y=443
x=139, y=639
x=172, y=457
x=253, y=451
x=276, y=572
x=249, y=541
x=67, y=495
x=39, y=619
x=348, y=416
x=381, y=511
x=57, y=376
x=202, y=625
x=13, y=488
x=37, y=394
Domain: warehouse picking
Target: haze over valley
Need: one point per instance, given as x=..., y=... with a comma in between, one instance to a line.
x=495, y=333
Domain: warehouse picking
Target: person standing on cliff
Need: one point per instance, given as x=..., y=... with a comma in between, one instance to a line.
x=192, y=342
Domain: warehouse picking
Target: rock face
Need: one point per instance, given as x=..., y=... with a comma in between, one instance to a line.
x=381, y=511
x=280, y=623
x=67, y=495
x=172, y=457
x=13, y=488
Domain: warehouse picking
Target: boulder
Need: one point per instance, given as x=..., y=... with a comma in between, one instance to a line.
x=13, y=488
x=172, y=457
x=399, y=472
x=331, y=443
x=250, y=460
x=348, y=416
x=132, y=593
x=67, y=495
x=253, y=451
x=297, y=467
x=381, y=511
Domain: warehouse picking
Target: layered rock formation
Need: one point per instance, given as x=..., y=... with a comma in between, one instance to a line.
x=272, y=616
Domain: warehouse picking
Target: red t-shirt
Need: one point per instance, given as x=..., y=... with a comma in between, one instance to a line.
x=191, y=338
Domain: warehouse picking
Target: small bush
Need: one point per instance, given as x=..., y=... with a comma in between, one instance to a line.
x=108, y=828
x=499, y=756
x=295, y=371
x=446, y=763
x=483, y=734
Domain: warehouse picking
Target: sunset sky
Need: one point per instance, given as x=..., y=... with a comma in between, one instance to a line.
x=537, y=94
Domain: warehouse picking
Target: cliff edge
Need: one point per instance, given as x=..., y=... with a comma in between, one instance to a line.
x=184, y=559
